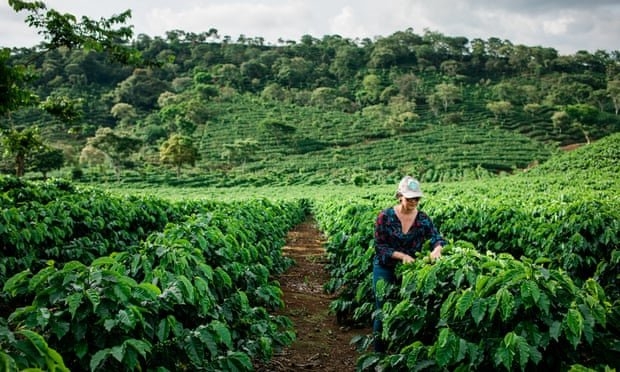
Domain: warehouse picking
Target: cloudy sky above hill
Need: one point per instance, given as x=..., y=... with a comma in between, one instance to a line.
x=565, y=25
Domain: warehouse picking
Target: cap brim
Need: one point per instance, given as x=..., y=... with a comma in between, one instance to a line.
x=412, y=194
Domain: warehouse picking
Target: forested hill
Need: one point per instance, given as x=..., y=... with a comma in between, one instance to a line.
x=213, y=111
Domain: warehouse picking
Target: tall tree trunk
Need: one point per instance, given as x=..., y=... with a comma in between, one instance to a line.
x=20, y=164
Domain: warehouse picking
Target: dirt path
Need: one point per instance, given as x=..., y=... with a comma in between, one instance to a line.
x=322, y=344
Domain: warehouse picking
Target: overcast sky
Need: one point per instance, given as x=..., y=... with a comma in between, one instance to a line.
x=566, y=25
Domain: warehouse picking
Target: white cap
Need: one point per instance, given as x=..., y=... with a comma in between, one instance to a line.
x=409, y=187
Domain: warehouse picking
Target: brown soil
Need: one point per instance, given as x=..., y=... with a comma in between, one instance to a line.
x=322, y=344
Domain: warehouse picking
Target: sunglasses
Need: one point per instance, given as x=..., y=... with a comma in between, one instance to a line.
x=412, y=199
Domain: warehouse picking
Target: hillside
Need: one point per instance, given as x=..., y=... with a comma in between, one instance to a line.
x=320, y=111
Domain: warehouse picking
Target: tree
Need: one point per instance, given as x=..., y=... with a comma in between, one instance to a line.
x=240, y=150
x=560, y=120
x=21, y=144
x=613, y=89
x=408, y=85
x=117, y=146
x=281, y=132
x=13, y=93
x=47, y=159
x=499, y=108
x=323, y=97
x=347, y=61
x=124, y=113
x=447, y=94
x=141, y=90
x=371, y=90
x=533, y=108
x=61, y=30
x=581, y=116
x=178, y=150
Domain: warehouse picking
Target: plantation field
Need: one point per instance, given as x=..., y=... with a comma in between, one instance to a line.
x=531, y=271
x=162, y=185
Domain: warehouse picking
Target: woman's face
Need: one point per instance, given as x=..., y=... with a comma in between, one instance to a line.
x=409, y=204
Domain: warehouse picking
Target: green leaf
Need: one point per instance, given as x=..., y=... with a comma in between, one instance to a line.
x=194, y=351
x=60, y=329
x=146, y=291
x=40, y=279
x=81, y=348
x=93, y=296
x=503, y=355
x=73, y=302
x=544, y=304
x=588, y=323
x=530, y=292
x=242, y=361
x=223, y=333
x=142, y=347
x=103, y=261
x=222, y=278
x=118, y=352
x=524, y=352
x=555, y=330
x=367, y=361
x=98, y=358
x=573, y=325
x=7, y=363
x=478, y=310
x=35, y=340
x=125, y=318
x=464, y=302
x=56, y=364
x=447, y=305
x=122, y=291
x=163, y=330
x=187, y=289
x=492, y=307
x=43, y=317
x=18, y=283
x=505, y=300
x=109, y=324
x=446, y=347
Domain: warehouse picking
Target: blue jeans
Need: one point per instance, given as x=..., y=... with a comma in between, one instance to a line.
x=380, y=273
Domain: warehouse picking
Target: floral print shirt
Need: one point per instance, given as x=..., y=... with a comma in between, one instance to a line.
x=389, y=236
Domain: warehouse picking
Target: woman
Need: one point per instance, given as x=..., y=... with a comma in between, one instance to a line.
x=400, y=232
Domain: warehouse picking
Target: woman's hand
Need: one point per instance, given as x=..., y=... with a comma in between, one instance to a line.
x=436, y=253
x=405, y=258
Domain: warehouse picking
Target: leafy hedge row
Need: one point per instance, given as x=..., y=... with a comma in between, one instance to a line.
x=195, y=296
x=577, y=236
x=54, y=220
x=349, y=252
x=472, y=311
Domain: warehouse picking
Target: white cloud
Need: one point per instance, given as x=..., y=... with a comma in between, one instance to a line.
x=557, y=26
x=567, y=25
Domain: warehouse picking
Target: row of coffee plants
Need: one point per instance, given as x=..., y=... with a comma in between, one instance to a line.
x=531, y=273
x=54, y=220
x=197, y=295
x=476, y=311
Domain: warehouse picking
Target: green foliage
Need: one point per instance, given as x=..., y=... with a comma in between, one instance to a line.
x=13, y=93
x=21, y=145
x=54, y=220
x=24, y=349
x=195, y=294
x=178, y=150
x=478, y=307
x=344, y=107
x=115, y=145
x=47, y=160
x=478, y=312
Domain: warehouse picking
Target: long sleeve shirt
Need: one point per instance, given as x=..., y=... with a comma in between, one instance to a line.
x=389, y=236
